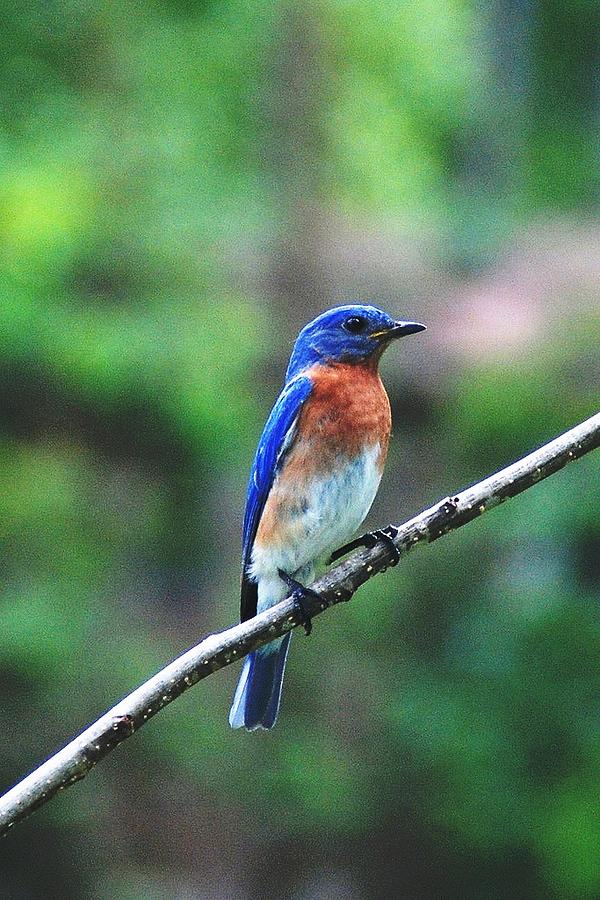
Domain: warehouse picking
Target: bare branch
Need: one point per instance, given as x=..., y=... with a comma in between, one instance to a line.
x=75, y=760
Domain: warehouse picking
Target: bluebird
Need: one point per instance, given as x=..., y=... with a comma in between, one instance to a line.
x=316, y=471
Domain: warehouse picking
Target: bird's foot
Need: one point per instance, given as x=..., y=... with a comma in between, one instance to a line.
x=370, y=539
x=299, y=596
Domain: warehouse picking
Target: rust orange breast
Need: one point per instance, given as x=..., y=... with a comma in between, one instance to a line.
x=347, y=410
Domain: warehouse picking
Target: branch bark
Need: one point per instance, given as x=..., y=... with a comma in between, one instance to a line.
x=78, y=757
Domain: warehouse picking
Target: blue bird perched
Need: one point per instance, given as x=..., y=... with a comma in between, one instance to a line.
x=315, y=475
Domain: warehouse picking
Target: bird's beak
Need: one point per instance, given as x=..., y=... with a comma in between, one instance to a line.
x=398, y=330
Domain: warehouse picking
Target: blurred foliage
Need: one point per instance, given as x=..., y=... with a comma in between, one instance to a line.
x=171, y=174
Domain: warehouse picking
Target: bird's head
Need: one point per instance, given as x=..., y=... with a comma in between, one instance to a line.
x=355, y=334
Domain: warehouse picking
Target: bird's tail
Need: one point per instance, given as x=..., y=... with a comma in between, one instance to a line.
x=258, y=693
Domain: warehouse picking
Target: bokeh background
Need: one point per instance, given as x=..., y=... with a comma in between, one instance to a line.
x=184, y=184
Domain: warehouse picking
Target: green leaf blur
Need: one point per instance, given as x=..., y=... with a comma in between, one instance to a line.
x=184, y=184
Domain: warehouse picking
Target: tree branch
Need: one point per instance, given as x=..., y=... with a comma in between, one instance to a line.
x=75, y=760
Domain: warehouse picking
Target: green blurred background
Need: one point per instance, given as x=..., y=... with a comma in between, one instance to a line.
x=184, y=184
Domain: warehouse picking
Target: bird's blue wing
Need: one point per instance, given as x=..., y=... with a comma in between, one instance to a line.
x=276, y=439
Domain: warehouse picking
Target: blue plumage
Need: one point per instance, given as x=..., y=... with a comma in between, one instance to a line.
x=328, y=339
x=256, y=702
x=277, y=436
x=258, y=695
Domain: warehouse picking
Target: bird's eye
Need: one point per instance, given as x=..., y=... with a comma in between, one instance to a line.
x=355, y=324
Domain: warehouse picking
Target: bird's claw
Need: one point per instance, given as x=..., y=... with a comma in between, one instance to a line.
x=299, y=596
x=347, y=548
x=370, y=539
x=387, y=536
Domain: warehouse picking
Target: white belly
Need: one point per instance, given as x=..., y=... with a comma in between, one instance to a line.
x=332, y=510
